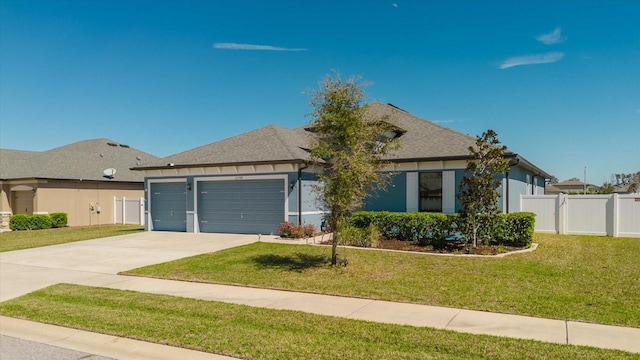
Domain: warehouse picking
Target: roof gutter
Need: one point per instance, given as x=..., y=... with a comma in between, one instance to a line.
x=185, y=166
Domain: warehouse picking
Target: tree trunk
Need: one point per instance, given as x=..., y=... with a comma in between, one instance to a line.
x=475, y=232
x=336, y=224
x=334, y=250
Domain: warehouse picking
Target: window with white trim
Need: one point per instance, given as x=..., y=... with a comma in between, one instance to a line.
x=431, y=191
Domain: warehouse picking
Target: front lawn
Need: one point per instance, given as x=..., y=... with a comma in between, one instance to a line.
x=583, y=278
x=258, y=333
x=18, y=240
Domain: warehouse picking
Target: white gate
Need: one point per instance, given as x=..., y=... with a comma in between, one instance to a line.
x=613, y=215
x=128, y=211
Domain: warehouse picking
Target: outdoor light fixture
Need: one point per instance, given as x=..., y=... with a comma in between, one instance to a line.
x=188, y=186
x=292, y=185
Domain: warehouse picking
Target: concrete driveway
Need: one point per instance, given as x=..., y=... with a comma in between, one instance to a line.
x=24, y=271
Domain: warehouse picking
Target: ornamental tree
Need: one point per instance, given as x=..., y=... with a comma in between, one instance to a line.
x=350, y=147
x=478, y=193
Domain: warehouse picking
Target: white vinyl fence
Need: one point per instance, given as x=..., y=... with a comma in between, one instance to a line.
x=612, y=215
x=128, y=211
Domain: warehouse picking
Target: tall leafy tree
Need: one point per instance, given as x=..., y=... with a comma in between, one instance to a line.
x=478, y=193
x=634, y=185
x=350, y=149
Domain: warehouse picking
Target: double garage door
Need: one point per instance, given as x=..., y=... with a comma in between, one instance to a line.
x=233, y=206
x=241, y=206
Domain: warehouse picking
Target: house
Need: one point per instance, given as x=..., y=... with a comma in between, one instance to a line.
x=571, y=186
x=80, y=179
x=253, y=182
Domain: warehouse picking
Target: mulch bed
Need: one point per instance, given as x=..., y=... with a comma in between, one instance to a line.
x=453, y=247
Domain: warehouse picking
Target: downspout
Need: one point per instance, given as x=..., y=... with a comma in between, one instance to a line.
x=511, y=164
x=533, y=183
x=506, y=198
x=304, y=166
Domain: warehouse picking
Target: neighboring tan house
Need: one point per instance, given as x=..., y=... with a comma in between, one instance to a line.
x=253, y=182
x=570, y=187
x=78, y=179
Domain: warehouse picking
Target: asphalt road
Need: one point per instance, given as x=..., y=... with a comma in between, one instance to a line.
x=17, y=349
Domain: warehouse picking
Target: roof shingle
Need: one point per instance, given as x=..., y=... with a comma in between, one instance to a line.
x=81, y=160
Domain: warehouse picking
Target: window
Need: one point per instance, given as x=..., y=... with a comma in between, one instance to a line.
x=431, y=191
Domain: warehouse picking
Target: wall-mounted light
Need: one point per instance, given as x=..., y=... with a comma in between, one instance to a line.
x=292, y=184
x=188, y=186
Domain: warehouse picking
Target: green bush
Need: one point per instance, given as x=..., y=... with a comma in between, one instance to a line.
x=59, y=219
x=40, y=221
x=351, y=236
x=19, y=222
x=37, y=221
x=515, y=229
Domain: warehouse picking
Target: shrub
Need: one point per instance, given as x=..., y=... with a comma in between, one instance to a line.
x=19, y=222
x=372, y=235
x=351, y=236
x=515, y=229
x=309, y=230
x=40, y=221
x=59, y=219
x=289, y=231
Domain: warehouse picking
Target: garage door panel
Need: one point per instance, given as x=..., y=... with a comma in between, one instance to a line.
x=241, y=206
x=169, y=206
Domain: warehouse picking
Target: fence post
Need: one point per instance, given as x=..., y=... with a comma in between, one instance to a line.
x=614, y=216
x=561, y=213
x=115, y=210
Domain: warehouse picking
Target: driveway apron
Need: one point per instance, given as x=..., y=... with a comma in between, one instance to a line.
x=24, y=271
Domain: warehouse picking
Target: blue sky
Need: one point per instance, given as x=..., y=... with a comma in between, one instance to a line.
x=559, y=81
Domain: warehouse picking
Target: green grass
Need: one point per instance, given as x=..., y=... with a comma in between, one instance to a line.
x=257, y=333
x=583, y=278
x=18, y=240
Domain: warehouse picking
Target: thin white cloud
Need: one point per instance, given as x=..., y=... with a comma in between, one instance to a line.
x=545, y=58
x=448, y=121
x=554, y=37
x=394, y=5
x=236, y=46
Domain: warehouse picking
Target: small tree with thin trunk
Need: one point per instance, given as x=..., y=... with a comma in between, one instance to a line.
x=478, y=193
x=350, y=148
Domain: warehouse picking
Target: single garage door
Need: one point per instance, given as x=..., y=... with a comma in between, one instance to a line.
x=169, y=206
x=241, y=206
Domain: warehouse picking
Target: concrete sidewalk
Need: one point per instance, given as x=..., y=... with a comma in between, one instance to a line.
x=469, y=321
x=28, y=270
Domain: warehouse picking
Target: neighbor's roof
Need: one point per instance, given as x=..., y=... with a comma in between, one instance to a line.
x=421, y=140
x=84, y=160
x=572, y=182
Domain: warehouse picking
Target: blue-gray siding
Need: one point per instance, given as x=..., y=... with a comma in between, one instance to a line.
x=393, y=198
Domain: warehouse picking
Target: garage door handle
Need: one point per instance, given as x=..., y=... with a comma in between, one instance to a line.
x=171, y=212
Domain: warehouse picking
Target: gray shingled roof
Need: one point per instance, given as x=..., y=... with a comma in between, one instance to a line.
x=81, y=160
x=572, y=182
x=421, y=140
x=268, y=144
